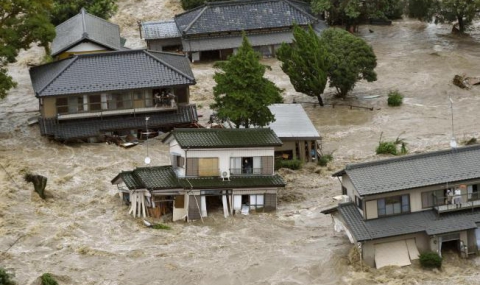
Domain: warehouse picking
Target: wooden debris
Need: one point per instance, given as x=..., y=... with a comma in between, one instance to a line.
x=465, y=82
x=39, y=183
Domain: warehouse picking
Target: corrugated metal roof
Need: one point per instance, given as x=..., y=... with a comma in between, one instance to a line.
x=424, y=221
x=291, y=121
x=160, y=30
x=412, y=171
x=227, y=16
x=224, y=138
x=110, y=71
x=85, y=26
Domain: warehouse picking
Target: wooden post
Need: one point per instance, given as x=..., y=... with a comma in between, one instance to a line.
x=301, y=149
x=309, y=148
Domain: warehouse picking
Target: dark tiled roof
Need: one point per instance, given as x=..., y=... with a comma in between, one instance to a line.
x=110, y=71
x=234, y=182
x=155, y=177
x=163, y=177
x=439, y=167
x=77, y=129
x=85, y=26
x=160, y=30
x=226, y=16
x=224, y=138
x=424, y=221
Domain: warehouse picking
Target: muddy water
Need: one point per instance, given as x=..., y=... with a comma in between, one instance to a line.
x=83, y=235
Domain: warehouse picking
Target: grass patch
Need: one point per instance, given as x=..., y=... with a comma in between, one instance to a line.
x=396, y=147
x=47, y=279
x=5, y=278
x=161, y=227
x=293, y=164
x=395, y=99
x=325, y=159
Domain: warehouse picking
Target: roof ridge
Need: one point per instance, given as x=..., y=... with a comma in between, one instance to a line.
x=411, y=157
x=73, y=59
x=196, y=18
x=300, y=9
x=167, y=64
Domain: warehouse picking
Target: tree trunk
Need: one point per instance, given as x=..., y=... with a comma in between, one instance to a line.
x=320, y=101
x=461, y=25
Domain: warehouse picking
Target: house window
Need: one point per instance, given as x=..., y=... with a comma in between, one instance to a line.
x=473, y=192
x=62, y=105
x=393, y=205
x=95, y=102
x=202, y=167
x=433, y=198
x=75, y=104
x=178, y=161
x=359, y=202
x=259, y=165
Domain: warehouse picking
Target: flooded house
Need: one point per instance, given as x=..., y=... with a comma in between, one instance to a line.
x=214, y=30
x=300, y=139
x=85, y=33
x=92, y=96
x=226, y=170
x=394, y=209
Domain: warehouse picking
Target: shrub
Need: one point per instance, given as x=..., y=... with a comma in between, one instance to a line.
x=161, y=227
x=293, y=164
x=325, y=159
x=386, y=148
x=430, y=260
x=47, y=279
x=471, y=141
x=395, y=98
x=5, y=278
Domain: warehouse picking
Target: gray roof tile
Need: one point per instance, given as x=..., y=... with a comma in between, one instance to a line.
x=243, y=15
x=234, y=182
x=412, y=171
x=160, y=30
x=110, y=71
x=227, y=138
x=79, y=129
x=85, y=26
x=424, y=221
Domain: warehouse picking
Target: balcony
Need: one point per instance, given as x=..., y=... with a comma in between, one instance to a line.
x=245, y=171
x=457, y=202
x=105, y=113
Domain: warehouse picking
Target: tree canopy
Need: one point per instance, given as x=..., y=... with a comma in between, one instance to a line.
x=22, y=22
x=65, y=9
x=350, y=59
x=463, y=12
x=242, y=94
x=305, y=62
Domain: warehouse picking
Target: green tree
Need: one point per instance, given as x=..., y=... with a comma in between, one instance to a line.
x=350, y=59
x=305, y=62
x=242, y=94
x=22, y=22
x=65, y=9
x=5, y=278
x=442, y=11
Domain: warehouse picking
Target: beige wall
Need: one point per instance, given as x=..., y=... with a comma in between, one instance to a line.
x=49, y=110
x=371, y=209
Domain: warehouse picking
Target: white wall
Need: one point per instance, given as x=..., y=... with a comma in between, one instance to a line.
x=86, y=46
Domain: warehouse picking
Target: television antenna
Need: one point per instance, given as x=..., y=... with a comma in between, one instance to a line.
x=147, y=158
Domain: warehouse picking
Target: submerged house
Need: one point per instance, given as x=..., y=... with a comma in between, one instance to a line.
x=214, y=30
x=88, y=96
x=85, y=33
x=299, y=136
x=227, y=169
x=394, y=209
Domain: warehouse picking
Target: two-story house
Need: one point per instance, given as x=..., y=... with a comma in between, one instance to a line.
x=210, y=168
x=394, y=209
x=87, y=96
x=214, y=30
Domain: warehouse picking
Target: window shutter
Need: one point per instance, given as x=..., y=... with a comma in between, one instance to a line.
x=192, y=167
x=267, y=165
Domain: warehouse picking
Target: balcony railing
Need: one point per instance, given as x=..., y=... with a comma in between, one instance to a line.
x=107, y=112
x=456, y=202
x=245, y=171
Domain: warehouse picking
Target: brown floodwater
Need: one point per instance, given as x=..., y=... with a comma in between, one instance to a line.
x=83, y=235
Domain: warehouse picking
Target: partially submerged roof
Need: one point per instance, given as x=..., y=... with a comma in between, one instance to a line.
x=244, y=15
x=155, y=177
x=292, y=122
x=412, y=171
x=110, y=71
x=79, y=129
x=224, y=138
x=85, y=26
x=424, y=221
x=160, y=30
x=163, y=177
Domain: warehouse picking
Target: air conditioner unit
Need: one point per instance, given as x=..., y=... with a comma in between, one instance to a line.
x=225, y=174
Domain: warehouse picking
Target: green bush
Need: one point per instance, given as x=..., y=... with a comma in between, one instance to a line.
x=161, y=227
x=293, y=164
x=386, y=148
x=47, y=279
x=5, y=278
x=395, y=98
x=430, y=260
x=325, y=159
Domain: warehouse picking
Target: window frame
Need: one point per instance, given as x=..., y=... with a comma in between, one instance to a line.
x=400, y=198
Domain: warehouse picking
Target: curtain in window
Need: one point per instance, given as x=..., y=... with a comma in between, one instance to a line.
x=381, y=207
